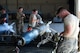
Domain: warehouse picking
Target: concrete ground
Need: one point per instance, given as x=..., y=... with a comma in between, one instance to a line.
x=27, y=49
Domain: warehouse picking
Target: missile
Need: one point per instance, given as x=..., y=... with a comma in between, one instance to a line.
x=28, y=36
x=6, y=28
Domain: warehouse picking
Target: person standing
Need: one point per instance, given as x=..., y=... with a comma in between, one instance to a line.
x=4, y=16
x=70, y=33
x=20, y=21
x=35, y=19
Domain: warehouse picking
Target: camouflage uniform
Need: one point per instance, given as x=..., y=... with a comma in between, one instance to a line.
x=19, y=23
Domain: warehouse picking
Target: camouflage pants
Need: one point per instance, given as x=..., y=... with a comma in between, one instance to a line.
x=19, y=28
x=67, y=45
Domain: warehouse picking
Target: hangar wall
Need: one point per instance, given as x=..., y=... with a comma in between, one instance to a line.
x=46, y=7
